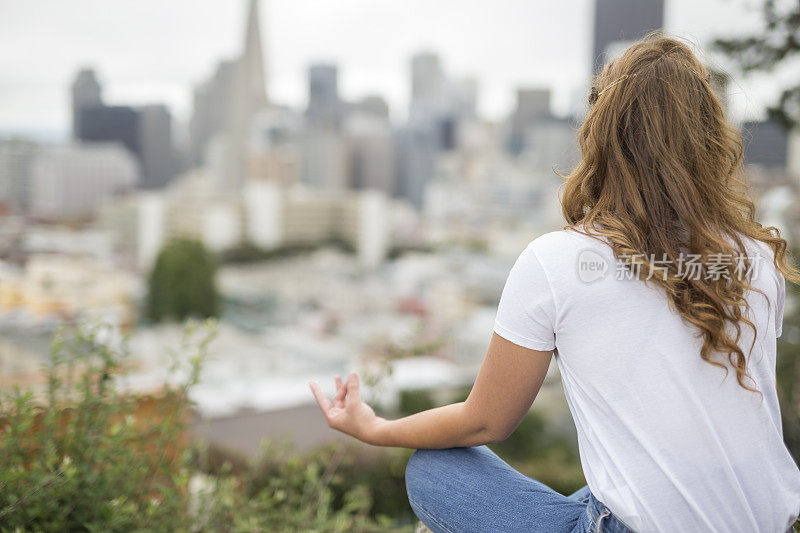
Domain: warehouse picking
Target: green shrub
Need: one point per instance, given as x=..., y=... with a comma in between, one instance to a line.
x=84, y=456
x=249, y=253
x=328, y=489
x=182, y=283
x=415, y=400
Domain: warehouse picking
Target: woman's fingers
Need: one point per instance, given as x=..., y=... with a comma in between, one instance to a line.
x=347, y=413
x=341, y=391
x=347, y=394
x=352, y=388
x=323, y=402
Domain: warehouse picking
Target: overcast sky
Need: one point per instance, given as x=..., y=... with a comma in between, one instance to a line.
x=148, y=51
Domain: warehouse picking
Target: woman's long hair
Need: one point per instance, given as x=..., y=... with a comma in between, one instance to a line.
x=661, y=178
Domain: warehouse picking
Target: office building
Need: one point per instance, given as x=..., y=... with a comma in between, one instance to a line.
x=533, y=105
x=623, y=21
x=86, y=92
x=16, y=158
x=155, y=146
x=324, y=106
x=225, y=105
x=427, y=79
x=70, y=182
x=145, y=131
x=372, y=153
x=416, y=147
x=211, y=110
x=111, y=124
x=766, y=143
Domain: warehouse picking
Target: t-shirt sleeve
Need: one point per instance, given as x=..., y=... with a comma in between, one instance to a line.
x=780, y=301
x=526, y=313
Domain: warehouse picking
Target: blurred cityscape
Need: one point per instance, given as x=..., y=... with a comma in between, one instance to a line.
x=342, y=234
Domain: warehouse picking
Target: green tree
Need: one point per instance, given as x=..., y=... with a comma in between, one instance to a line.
x=183, y=283
x=777, y=43
x=788, y=373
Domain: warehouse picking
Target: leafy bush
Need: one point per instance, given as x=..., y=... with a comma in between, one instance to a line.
x=329, y=489
x=85, y=456
x=182, y=283
x=249, y=253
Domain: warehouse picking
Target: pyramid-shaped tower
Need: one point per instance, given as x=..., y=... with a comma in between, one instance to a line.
x=249, y=97
x=251, y=63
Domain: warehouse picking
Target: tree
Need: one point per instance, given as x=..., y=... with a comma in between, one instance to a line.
x=777, y=43
x=182, y=283
x=788, y=373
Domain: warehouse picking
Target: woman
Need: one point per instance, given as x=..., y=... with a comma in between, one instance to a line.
x=661, y=300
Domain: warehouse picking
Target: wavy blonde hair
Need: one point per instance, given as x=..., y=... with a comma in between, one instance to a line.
x=660, y=177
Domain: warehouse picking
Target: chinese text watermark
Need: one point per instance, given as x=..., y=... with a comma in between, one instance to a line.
x=716, y=266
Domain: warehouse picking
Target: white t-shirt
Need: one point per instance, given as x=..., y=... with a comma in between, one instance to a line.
x=666, y=441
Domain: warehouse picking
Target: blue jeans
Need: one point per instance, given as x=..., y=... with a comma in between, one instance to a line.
x=461, y=490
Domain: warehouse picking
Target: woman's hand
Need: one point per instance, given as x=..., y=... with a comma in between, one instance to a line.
x=348, y=413
x=507, y=383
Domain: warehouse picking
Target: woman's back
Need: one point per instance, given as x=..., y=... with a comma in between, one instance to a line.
x=667, y=440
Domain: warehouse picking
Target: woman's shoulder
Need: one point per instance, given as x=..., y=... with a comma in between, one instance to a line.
x=570, y=238
x=563, y=251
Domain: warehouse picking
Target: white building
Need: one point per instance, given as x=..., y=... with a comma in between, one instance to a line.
x=263, y=214
x=70, y=182
x=16, y=158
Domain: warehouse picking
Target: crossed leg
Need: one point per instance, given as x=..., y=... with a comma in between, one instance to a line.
x=463, y=490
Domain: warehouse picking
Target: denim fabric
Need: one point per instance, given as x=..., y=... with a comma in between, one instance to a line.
x=463, y=490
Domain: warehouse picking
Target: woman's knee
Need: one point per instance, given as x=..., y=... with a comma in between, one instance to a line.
x=427, y=469
x=417, y=467
x=439, y=481
x=421, y=466
x=424, y=475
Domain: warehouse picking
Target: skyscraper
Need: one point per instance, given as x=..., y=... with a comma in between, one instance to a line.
x=416, y=147
x=324, y=105
x=155, y=146
x=86, y=92
x=212, y=109
x=225, y=105
x=766, y=143
x=533, y=105
x=427, y=78
x=145, y=131
x=251, y=72
x=439, y=101
x=372, y=152
x=427, y=86
x=249, y=97
x=623, y=20
x=110, y=123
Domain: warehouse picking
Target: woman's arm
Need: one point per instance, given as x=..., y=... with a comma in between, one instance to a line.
x=508, y=382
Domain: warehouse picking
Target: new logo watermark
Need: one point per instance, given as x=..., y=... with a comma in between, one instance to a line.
x=591, y=266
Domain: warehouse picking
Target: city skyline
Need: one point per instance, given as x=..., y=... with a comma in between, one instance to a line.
x=34, y=100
